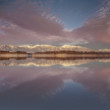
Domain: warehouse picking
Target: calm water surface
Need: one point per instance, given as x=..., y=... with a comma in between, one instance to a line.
x=83, y=87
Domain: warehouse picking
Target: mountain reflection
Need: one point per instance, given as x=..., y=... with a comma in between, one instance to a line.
x=41, y=81
x=46, y=62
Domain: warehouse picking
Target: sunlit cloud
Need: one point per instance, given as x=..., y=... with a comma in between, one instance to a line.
x=96, y=29
x=25, y=22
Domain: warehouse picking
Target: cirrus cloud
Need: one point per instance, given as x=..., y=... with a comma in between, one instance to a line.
x=25, y=22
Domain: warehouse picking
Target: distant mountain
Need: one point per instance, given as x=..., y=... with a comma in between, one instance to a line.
x=42, y=48
x=104, y=50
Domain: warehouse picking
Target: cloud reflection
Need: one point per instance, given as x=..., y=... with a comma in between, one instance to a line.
x=51, y=79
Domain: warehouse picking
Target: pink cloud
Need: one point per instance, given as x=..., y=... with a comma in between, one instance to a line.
x=98, y=28
x=27, y=23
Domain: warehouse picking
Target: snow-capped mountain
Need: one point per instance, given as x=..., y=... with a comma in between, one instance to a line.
x=42, y=48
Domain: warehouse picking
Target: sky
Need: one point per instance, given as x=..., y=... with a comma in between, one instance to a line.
x=55, y=22
x=73, y=13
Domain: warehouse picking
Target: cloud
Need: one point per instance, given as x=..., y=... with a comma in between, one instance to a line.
x=96, y=29
x=29, y=18
x=26, y=22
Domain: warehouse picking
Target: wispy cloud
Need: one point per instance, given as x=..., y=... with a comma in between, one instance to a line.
x=96, y=29
x=25, y=22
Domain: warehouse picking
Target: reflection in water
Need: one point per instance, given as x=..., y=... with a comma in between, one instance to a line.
x=46, y=62
x=53, y=87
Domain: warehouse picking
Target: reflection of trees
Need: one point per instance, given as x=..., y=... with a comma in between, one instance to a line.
x=24, y=60
x=17, y=58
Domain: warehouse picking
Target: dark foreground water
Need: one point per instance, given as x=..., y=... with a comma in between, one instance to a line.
x=29, y=86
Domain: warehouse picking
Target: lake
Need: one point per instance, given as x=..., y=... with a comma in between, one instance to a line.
x=54, y=84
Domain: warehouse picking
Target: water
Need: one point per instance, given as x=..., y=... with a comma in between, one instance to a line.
x=33, y=84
